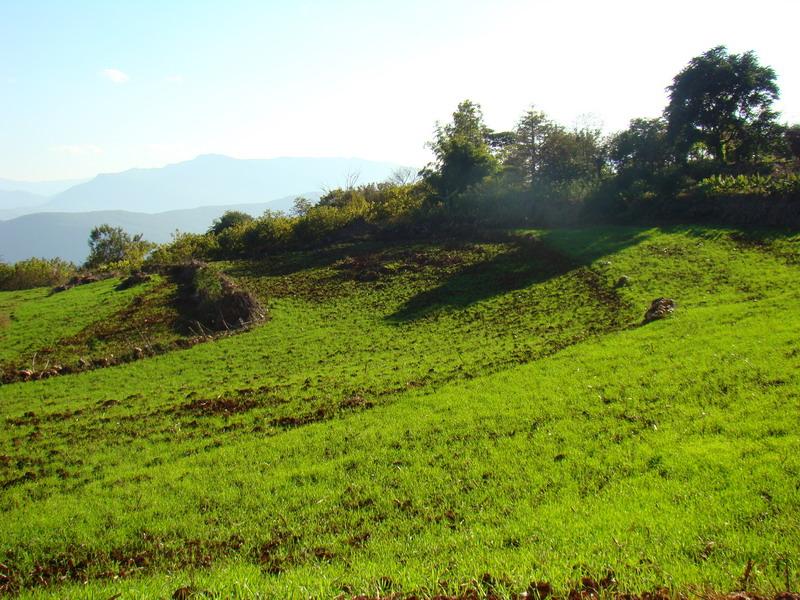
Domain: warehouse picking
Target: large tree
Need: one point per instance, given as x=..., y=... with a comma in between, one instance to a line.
x=721, y=103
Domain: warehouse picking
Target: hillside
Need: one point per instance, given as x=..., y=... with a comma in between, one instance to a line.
x=455, y=417
x=65, y=235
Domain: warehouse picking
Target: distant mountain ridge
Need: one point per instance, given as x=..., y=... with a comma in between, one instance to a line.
x=19, y=199
x=65, y=235
x=40, y=188
x=214, y=180
x=186, y=196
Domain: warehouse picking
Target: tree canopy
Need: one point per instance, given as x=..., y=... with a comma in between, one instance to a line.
x=109, y=245
x=463, y=156
x=230, y=218
x=722, y=103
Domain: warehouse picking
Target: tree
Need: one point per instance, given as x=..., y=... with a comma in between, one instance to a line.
x=792, y=138
x=230, y=218
x=109, y=245
x=723, y=103
x=462, y=153
x=301, y=206
x=641, y=148
x=544, y=152
x=530, y=139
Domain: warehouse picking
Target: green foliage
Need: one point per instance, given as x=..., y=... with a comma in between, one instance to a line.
x=114, y=249
x=35, y=272
x=719, y=124
x=462, y=153
x=301, y=206
x=230, y=218
x=792, y=139
x=529, y=152
x=207, y=284
x=723, y=102
x=752, y=185
x=642, y=149
x=271, y=232
x=183, y=248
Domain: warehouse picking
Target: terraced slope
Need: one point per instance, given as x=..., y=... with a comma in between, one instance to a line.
x=96, y=322
x=421, y=418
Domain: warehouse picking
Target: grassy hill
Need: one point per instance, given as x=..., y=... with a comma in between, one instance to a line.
x=418, y=418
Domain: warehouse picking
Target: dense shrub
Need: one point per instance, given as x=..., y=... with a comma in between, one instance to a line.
x=787, y=185
x=183, y=248
x=35, y=272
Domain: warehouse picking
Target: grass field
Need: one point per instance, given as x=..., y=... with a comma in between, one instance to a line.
x=422, y=418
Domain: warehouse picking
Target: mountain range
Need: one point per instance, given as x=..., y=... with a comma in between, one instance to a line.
x=65, y=235
x=185, y=196
x=208, y=180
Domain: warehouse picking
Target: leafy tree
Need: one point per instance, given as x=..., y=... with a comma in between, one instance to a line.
x=109, y=245
x=642, y=147
x=301, y=206
x=462, y=153
x=230, y=218
x=723, y=103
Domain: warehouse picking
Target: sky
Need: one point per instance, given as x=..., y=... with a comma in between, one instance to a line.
x=98, y=87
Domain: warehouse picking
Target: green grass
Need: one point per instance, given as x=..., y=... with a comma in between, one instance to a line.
x=414, y=417
x=94, y=321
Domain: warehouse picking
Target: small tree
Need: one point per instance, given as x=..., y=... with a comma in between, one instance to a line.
x=230, y=218
x=462, y=153
x=301, y=206
x=109, y=246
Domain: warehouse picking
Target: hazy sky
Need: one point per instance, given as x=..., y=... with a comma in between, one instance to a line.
x=88, y=87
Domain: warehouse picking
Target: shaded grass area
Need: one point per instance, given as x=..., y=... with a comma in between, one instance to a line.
x=667, y=454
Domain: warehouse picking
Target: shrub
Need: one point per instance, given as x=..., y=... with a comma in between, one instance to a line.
x=272, y=231
x=787, y=185
x=35, y=272
x=183, y=248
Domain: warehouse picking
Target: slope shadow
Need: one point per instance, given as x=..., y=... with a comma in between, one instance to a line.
x=289, y=262
x=589, y=244
x=531, y=260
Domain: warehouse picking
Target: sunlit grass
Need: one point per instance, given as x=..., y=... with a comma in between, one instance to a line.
x=471, y=410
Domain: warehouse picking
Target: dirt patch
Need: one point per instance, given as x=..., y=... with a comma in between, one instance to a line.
x=377, y=265
x=219, y=406
x=79, y=564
